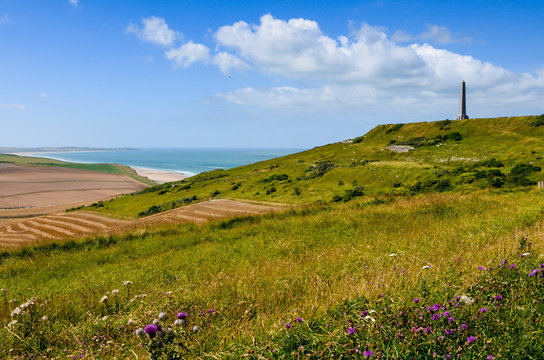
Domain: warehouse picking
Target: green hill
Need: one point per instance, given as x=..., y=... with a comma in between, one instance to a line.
x=447, y=155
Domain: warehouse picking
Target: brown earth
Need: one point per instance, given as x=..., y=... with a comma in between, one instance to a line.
x=25, y=187
x=62, y=225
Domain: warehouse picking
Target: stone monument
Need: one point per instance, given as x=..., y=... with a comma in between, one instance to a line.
x=462, y=103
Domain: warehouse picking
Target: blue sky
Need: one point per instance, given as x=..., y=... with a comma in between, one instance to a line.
x=257, y=74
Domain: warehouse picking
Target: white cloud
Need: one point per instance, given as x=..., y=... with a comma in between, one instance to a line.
x=434, y=34
x=4, y=19
x=44, y=96
x=74, y=2
x=227, y=62
x=188, y=53
x=155, y=30
x=366, y=70
x=13, y=106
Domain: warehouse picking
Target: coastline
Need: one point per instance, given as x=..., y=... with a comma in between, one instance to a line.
x=160, y=176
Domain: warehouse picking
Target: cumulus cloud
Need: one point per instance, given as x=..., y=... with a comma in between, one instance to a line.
x=154, y=30
x=74, y=2
x=227, y=62
x=188, y=53
x=434, y=34
x=13, y=106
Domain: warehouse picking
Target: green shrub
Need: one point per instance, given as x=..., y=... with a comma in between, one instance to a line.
x=393, y=128
x=270, y=190
x=319, y=169
x=277, y=177
x=539, y=121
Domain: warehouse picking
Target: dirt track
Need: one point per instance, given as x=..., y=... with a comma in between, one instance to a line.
x=18, y=232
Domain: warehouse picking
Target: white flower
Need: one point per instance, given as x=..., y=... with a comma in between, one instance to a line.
x=195, y=328
x=465, y=299
x=45, y=318
x=393, y=255
x=16, y=311
x=12, y=323
x=156, y=322
x=114, y=292
x=130, y=322
x=127, y=283
x=168, y=293
x=162, y=315
x=426, y=267
x=525, y=254
x=139, y=332
x=3, y=290
x=105, y=318
x=179, y=322
x=369, y=318
x=104, y=299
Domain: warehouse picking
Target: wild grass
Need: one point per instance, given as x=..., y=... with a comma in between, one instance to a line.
x=454, y=157
x=259, y=273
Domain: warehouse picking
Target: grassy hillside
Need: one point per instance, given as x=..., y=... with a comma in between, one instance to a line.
x=104, y=168
x=448, y=155
x=325, y=265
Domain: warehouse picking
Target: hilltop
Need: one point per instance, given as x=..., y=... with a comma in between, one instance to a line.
x=446, y=155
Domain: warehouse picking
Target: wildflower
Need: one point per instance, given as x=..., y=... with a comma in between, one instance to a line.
x=451, y=319
x=288, y=325
x=428, y=330
x=392, y=255
x=104, y=299
x=471, y=339
x=195, y=328
x=351, y=331
x=368, y=354
x=156, y=321
x=435, y=317
x=446, y=313
x=162, y=315
x=512, y=266
x=416, y=300
x=151, y=330
x=211, y=311
x=490, y=357
x=114, y=292
x=104, y=318
x=127, y=283
x=369, y=318
x=467, y=300
x=481, y=268
x=448, y=331
x=483, y=310
x=130, y=322
x=426, y=267
x=182, y=315
x=534, y=272
x=179, y=322
x=299, y=320
x=168, y=293
x=525, y=254
x=12, y=323
x=464, y=326
x=365, y=313
x=139, y=331
x=45, y=318
x=3, y=290
x=16, y=311
x=498, y=297
x=160, y=331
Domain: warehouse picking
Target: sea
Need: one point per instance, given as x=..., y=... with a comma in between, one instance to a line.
x=178, y=160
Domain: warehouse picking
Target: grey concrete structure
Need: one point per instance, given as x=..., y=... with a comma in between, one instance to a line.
x=462, y=103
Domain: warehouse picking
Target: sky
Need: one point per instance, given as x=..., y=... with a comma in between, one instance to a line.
x=234, y=74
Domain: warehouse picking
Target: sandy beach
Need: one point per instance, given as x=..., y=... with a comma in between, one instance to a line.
x=160, y=176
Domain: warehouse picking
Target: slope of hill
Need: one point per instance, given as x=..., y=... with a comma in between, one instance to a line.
x=445, y=155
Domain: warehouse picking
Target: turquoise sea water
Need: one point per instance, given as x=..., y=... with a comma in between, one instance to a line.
x=187, y=161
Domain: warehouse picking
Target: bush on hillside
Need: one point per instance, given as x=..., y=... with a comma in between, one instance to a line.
x=393, y=128
x=518, y=174
x=319, y=169
x=539, y=121
x=277, y=177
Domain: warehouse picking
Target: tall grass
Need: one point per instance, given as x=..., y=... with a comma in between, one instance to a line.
x=254, y=272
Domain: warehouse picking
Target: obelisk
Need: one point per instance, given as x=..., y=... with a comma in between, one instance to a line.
x=462, y=103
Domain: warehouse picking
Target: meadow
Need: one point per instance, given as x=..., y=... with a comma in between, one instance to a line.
x=241, y=281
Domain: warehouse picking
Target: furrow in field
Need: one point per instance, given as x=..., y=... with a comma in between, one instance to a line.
x=72, y=218
x=50, y=229
x=28, y=226
x=66, y=225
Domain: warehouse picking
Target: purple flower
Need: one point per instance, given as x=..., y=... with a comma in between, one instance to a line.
x=288, y=325
x=464, y=326
x=498, y=297
x=299, y=319
x=435, y=317
x=513, y=266
x=428, y=330
x=151, y=330
x=448, y=331
x=211, y=311
x=471, y=339
x=446, y=313
x=450, y=319
x=368, y=354
x=483, y=310
x=490, y=357
x=481, y=268
x=365, y=313
x=182, y=315
x=416, y=300
x=534, y=272
x=351, y=331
